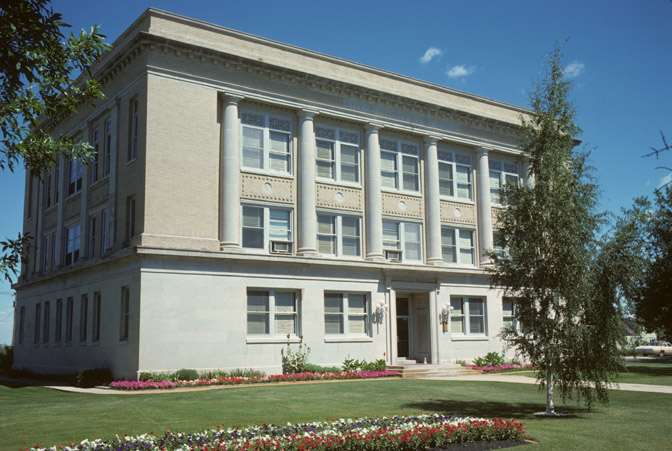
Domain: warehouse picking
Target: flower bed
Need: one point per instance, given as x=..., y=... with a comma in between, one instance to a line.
x=500, y=368
x=140, y=385
x=395, y=433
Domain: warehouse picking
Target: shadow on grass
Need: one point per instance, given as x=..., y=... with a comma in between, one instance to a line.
x=519, y=411
x=649, y=371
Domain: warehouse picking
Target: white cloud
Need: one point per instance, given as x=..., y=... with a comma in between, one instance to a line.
x=665, y=180
x=430, y=54
x=459, y=71
x=574, y=69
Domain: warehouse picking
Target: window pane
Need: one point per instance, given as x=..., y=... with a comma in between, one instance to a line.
x=410, y=171
x=326, y=234
x=325, y=224
x=356, y=303
x=253, y=155
x=325, y=150
x=253, y=217
x=476, y=317
x=494, y=186
x=448, y=245
x=257, y=323
x=390, y=235
x=285, y=324
x=456, y=325
x=257, y=301
x=464, y=182
x=279, y=162
x=333, y=324
x=466, y=247
x=456, y=304
x=285, y=302
x=388, y=165
x=357, y=324
x=279, y=152
x=253, y=227
x=279, y=225
x=511, y=180
x=333, y=303
x=412, y=242
x=349, y=163
x=326, y=244
x=507, y=307
x=351, y=247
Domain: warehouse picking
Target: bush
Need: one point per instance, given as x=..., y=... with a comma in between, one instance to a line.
x=6, y=358
x=363, y=365
x=93, y=377
x=490, y=359
x=295, y=362
x=185, y=375
x=312, y=368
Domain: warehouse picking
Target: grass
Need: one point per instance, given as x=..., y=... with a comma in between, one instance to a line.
x=39, y=415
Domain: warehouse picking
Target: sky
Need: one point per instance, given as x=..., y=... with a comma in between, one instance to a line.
x=617, y=54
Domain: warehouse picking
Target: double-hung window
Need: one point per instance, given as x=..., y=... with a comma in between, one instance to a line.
x=72, y=235
x=95, y=326
x=405, y=237
x=502, y=174
x=83, y=318
x=399, y=165
x=104, y=231
x=45, y=253
x=272, y=312
x=69, y=312
x=509, y=314
x=457, y=245
x=74, y=176
x=59, y=321
x=107, y=144
x=22, y=324
x=263, y=226
x=266, y=142
x=124, y=313
x=337, y=155
x=38, y=318
x=133, y=122
x=346, y=314
x=47, y=321
x=339, y=235
x=96, y=148
x=455, y=175
x=468, y=316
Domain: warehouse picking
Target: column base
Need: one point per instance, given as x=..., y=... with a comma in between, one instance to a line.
x=225, y=245
x=435, y=261
x=376, y=257
x=306, y=252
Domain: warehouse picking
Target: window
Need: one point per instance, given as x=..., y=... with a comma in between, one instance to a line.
x=22, y=324
x=57, y=187
x=45, y=326
x=107, y=147
x=468, y=316
x=132, y=130
x=92, y=236
x=496, y=246
x=104, y=232
x=59, y=321
x=338, y=235
x=262, y=225
x=83, y=317
x=124, y=314
x=95, y=327
x=272, y=312
x=38, y=318
x=45, y=253
x=405, y=237
x=94, y=164
x=71, y=244
x=346, y=313
x=266, y=143
x=455, y=174
x=53, y=250
x=74, y=176
x=399, y=165
x=502, y=174
x=47, y=190
x=457, y=245
x=337, y=153
x=508, y=313
x=130, y=219
x=69, y=312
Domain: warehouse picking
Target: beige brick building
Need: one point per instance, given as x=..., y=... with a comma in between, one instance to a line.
x=244, y=190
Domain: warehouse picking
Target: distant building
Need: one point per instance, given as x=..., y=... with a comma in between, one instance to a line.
x=244, y=190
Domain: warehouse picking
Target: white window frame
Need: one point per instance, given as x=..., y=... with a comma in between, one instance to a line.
x=104, y=231
x=500, y=171
x=107, y=145
x=95, y=143
x=466, y=317
x=92, y=237
x=75, y=168
x=267, y=124
x=272, y=313
x=339, y=139
x=338, y=235
x=266, y=225
x=454, y=161
x=400, y=243
x=398, y=151
x=72, y=245
x=459, y=248
x=344, y=314
x=512, y=315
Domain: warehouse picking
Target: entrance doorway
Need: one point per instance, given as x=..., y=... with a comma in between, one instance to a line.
x=403, y=326
x=413, y=343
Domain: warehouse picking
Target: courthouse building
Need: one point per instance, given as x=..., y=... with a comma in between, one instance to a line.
x=244, y=190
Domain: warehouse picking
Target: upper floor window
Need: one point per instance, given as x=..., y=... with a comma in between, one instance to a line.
x=22, y=324
x=96, y=148
x=509, y=314
x=72, y=235
x=346, y=313
x=399, y=165
x=337, y=154
x=107, y=147
x=133, y=130
x=455, y=175
x=267, y=143
x=45, y=253
x=104, y=232
x=405, y=237
x=468, y=316
x=339, y=235
x=502, y=174
x=130, y=219
x=74, y=176
x=272, y=312
x=267, y=228
x=457, y=245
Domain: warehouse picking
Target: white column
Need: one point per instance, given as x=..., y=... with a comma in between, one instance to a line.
x=483, y=205
x=229, y=175
x=84, y=206
x=432, y=202
x=374, y=208
x=60, y=212
x=115, y=114
x=307, y=233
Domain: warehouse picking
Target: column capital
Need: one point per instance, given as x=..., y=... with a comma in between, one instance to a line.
x=480, y=150
x=430, y=140
x=307, y=114
x=230, y=97
x=373, y=127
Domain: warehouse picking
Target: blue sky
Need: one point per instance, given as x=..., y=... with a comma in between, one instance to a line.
x=618, y=56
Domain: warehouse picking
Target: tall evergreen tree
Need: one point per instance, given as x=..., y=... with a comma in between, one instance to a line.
x=565, y=302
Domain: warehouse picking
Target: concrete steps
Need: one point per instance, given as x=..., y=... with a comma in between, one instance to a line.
x=420, y=370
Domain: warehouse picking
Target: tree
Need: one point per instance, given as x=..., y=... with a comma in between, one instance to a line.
x=553, y=267
x=43, y=77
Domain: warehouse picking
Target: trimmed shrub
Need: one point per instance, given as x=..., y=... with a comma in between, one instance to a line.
x=6, y=358
x=312, y=368
x=93, y=377
x=186, y=375
x=490, y=359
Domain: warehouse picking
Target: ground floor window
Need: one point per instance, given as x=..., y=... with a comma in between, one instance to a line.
x=124, y=314
x=468, y=316
x=346, y=314
x=272, y=312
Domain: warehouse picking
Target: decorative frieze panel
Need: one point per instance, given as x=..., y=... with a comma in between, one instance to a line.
x=398, y=205
x=457, y=212
x=330, y=196
x=494, y=212
x=50, y=218
x=99, y=193
x=72, y=207
x=276, y=189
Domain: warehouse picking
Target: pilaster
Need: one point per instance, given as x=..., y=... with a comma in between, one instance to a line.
x=483, y=206
x=373, y=200
x=307, y=233
x=229, y=174
x=432, y=202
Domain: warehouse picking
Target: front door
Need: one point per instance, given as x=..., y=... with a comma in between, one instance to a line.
x=403, y=321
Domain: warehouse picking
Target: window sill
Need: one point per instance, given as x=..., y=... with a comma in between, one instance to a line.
x=401, y=192
x=458, y=200
x=469, y=338
x=338, y=183
x=123, y=342
x=99, y=181
x=279, y=339
x=283, y=175
x=131, y=161
x=348, y=339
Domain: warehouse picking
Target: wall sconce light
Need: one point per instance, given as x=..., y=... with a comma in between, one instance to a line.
x=379, y=315
x=445, y=316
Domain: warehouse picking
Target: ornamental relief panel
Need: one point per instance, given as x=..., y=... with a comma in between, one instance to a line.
x=331, y=196
x=50, y=218
x=457, y=212
x=398, y=205
x=494, y=213
x=264, y=187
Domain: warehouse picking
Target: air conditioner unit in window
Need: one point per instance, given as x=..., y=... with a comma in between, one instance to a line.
x=392, y=255
x=281, y=247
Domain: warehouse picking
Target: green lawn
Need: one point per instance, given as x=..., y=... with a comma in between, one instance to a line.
x=46, y=417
